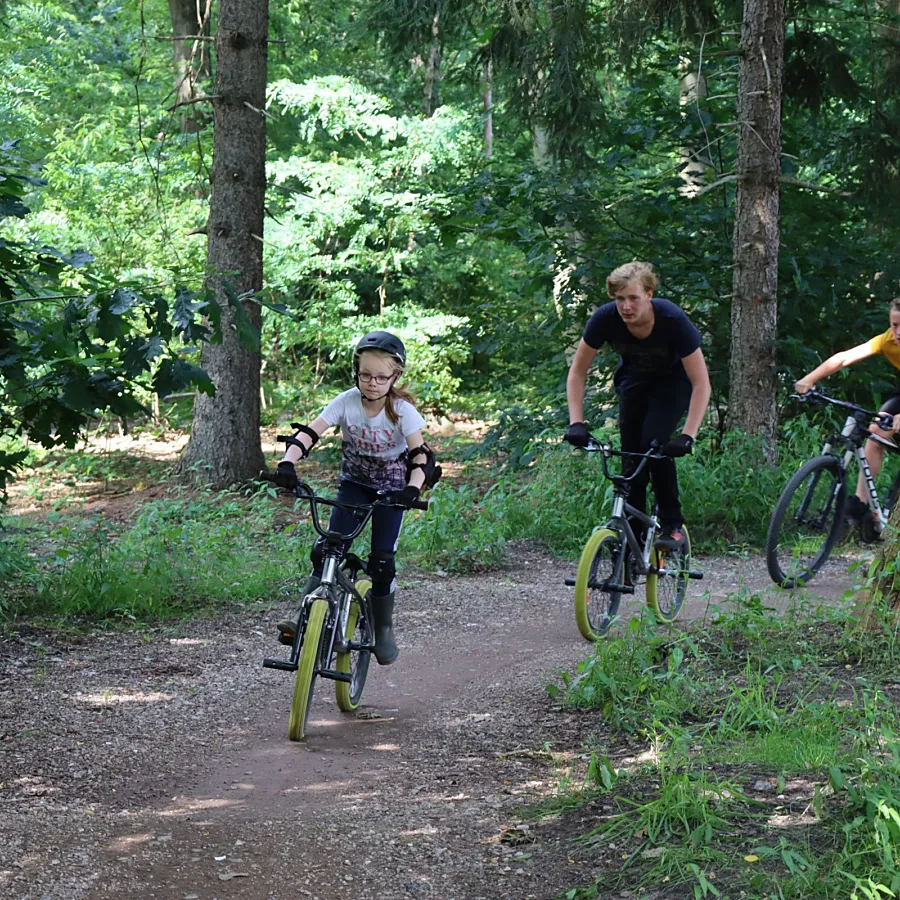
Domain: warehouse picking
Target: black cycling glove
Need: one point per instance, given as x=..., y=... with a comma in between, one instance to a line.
x=286, y=475
x=680, y=446
x=577, y=435
x=406, y=497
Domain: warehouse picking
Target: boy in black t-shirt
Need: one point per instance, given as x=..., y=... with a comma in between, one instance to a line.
x=661, y=375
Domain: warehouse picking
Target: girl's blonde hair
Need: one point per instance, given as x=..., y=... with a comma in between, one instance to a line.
x=395, y=391
x=619, y=277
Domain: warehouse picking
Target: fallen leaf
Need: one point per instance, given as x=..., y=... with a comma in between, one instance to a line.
x=751, y=858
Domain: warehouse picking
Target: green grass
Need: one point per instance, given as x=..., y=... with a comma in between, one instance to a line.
x=772, y=758
x=176, y=555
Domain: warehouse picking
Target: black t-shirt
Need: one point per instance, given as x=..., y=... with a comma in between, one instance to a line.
x=657, y=356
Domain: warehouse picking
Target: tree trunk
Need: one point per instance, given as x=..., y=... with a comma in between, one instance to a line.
x=882, y=590
x=190, y=17
x=433, y=68
x=225, y=444
x=752, y=400
x=488, y=109
x=692, y=87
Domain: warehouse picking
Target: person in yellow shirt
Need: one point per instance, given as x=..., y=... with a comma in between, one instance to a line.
x=888, y=345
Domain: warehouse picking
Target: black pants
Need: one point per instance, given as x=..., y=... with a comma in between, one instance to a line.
x=647, y=413
x=386, y=524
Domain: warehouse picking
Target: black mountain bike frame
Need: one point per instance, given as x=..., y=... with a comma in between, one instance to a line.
x=853, y=437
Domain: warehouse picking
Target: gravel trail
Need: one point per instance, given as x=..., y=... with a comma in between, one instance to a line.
x=155, y=763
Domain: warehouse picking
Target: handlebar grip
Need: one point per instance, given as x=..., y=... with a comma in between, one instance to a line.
x=419, y=504
x=266, y=475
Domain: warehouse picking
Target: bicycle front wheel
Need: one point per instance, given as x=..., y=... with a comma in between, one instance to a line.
x=306, y=669
x=807, y=522
x=667, y=585
x=354, y=662
x=595, y=605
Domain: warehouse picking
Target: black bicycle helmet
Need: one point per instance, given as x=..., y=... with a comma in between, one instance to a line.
x=381, y=340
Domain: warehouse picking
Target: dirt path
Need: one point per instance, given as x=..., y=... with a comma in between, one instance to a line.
x=156, y=764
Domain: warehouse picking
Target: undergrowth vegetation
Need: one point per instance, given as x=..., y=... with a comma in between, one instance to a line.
x=195, y=547
x=756, y=756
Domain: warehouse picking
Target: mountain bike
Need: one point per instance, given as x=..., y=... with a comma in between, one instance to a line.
x=614, y=559
x=335, y=632
x=808, y=520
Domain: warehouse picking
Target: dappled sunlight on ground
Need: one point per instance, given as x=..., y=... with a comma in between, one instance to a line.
x=109, y=698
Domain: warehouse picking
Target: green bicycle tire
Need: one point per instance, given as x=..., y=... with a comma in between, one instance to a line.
x=306, y=669
x=603, y=541
x=669, y=612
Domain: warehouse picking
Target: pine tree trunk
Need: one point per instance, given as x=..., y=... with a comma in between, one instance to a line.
x=225, y=444
x=692, y=88
x=752, y=399
x=883, y=588
x=488, y=109
x=190, y=17
x=433, y=67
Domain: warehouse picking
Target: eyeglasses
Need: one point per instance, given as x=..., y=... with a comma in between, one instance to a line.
x=378, y=379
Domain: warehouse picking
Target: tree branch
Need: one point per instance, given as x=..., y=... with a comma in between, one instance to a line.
x=207, y=99
x=784, y=179
x=261, y=112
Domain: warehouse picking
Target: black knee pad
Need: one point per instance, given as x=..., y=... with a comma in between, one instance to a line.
x=317, y=554
x=382, y=567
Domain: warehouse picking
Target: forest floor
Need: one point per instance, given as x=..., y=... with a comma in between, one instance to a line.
x=154, y=762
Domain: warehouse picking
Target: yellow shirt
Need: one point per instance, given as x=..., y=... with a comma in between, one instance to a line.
x=884, y=344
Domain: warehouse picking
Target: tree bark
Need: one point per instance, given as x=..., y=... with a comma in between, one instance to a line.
x=692, y=88
x=190, y=17
x=488, y=109
x=882, y=590
x=752, y=400
x=433, y=67
x=225, y=443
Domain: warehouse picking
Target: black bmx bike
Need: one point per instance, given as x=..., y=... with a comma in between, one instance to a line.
x=613, y=559
x=808, y=520
x=335, y=634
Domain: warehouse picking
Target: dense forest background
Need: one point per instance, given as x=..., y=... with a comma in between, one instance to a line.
x=465, y=175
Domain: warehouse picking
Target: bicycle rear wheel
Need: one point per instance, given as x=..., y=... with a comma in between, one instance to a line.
x=667, y=588
x=596, y=606
x=807, y=522
x=354, y=662
x=306, y=669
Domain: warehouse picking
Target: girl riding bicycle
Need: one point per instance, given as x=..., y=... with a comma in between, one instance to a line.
x=888, y=345
x=661, y=376
x=382, y=450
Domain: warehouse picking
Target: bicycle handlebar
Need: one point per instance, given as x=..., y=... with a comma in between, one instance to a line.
x=884, y=420
x=606, y=451
x=362, y=511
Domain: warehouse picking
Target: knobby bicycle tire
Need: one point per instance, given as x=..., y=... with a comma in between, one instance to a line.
x=666, y=593
x=306, y=669
x=349, y=694
x=599, y=563
x=802, y=536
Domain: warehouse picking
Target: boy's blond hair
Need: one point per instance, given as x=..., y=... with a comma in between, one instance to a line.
x=619, y=277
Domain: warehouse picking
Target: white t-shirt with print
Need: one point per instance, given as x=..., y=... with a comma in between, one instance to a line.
x=374, y=447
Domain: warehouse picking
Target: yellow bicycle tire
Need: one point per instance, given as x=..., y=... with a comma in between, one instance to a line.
x=306, y=669
x=343, y=690
x=593, y=546
x=652, y=594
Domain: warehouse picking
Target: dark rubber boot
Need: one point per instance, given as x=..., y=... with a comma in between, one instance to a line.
x=386, y=650
x=287, y=630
